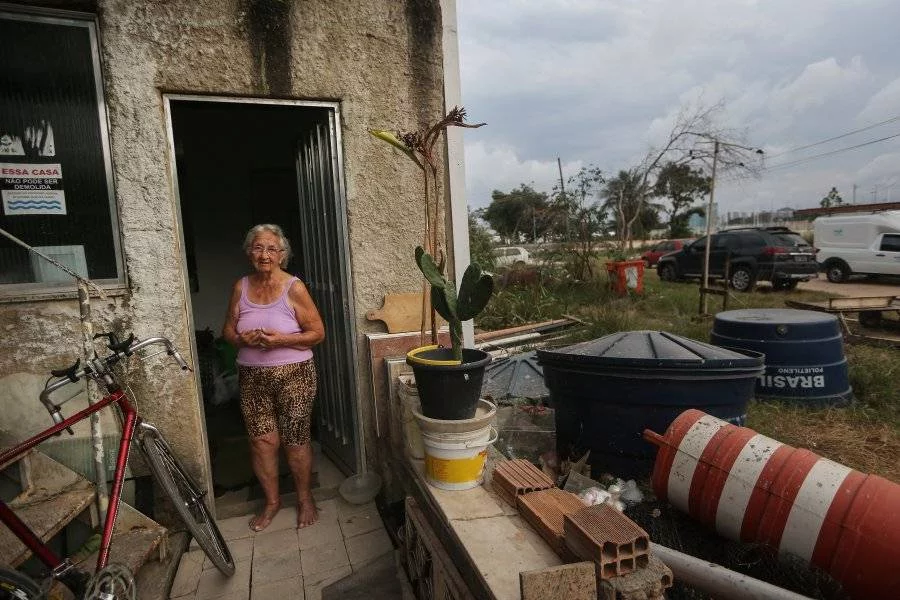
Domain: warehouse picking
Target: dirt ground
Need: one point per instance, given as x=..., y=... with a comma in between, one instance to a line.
x=885, y=286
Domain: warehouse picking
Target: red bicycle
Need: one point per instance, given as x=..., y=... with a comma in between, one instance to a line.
x=186, y=495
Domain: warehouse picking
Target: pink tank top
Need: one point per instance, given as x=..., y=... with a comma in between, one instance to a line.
x=277, y=316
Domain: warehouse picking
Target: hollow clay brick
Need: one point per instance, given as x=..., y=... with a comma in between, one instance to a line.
x=512, y=478
x=545, y=511
x=649, y=583
x=609, y=538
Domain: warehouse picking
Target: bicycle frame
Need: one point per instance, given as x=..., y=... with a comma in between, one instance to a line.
x=22, y=531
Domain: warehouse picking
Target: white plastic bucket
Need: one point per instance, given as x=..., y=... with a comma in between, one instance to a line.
x=409, y=406
x=455, y=460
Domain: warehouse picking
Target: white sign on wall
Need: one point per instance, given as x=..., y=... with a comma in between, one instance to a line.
x=32, y=189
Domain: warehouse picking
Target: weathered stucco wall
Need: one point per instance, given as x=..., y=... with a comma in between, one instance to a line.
x=381, y=59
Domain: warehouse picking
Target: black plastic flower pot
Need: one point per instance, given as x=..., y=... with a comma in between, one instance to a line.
x=448, y=391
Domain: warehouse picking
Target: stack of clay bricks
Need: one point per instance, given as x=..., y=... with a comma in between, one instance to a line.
x=618, y=549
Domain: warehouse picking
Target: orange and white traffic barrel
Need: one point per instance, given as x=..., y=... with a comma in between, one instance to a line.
x=752, y=488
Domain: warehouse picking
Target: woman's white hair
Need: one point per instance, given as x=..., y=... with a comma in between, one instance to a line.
x=275, y=230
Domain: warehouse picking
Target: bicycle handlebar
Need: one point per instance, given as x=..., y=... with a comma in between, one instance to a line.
x=101, y=367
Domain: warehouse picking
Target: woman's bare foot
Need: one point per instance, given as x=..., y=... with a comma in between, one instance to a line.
x=263, y=519
x=307, y=513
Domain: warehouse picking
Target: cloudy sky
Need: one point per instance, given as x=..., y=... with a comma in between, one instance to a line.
x=599, y=82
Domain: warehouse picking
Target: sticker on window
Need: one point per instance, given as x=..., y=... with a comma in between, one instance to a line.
x=32, y=189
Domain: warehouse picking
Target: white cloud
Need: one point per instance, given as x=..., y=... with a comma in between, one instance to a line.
x=490, y=168
x=817, y=84
x=884, y=105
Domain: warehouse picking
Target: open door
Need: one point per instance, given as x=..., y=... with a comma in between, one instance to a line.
x=326, y=251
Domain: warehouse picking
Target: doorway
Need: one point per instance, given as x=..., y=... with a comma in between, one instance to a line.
x=239, y=163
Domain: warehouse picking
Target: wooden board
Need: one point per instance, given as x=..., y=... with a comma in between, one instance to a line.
x=849, y=304
x=402, y=313
x=856, y=303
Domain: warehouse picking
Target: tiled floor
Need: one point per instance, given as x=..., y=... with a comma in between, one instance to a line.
x=284, y=563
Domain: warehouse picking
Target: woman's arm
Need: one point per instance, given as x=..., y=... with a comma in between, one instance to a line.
x=229, y=329
x=307, y=317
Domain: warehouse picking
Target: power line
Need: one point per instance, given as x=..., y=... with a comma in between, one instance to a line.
x=837, y=137
x=839, y=150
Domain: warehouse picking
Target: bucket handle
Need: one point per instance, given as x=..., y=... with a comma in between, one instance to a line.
x=490, y=441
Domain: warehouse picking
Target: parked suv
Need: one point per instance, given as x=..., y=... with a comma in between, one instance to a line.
x=652, y=256
x=750, y=254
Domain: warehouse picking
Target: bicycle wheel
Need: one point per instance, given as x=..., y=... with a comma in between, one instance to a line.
x=187, y=498
x=17, y=586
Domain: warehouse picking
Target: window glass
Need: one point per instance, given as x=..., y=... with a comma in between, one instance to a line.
x=699, y=244
x=791, y=240
x=56, y=194
x=751, y=239
x=891, y=243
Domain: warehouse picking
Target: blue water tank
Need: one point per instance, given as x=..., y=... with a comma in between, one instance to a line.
x=804, y=350
x=605, y=392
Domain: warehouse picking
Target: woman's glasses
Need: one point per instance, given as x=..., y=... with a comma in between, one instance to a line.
x=266, y=250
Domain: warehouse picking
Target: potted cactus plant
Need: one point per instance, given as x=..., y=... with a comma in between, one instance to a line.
x=448, y=379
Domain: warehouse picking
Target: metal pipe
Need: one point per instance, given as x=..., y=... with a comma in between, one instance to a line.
x=718, y=581
x=98, y=453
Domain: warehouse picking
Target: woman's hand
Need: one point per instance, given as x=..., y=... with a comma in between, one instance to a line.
x=270, y=339
x=250, y=337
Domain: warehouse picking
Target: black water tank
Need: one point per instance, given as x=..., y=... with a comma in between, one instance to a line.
x=805, y=362
x=607, y=391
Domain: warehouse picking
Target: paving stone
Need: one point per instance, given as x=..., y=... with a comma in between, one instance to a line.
x=324, y=558
x=345, y=509
x=241, y=549
x=274, y=542
x=364, y=548
x=234, y=528
x=215, y=585
x=287, y=589
x=276, y=567
x=324, y=531
x=285, y=518
x=188, y=575
x=328, y=509
x=362, y=522
x=313, y=585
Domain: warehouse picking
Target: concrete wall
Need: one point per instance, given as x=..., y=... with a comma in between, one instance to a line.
x=380, y=58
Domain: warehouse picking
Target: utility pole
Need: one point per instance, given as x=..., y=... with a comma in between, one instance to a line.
x=709, y=208
x=562, y=190
x=854, y=194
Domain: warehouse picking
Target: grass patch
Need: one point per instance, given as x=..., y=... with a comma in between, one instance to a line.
x=865, y=436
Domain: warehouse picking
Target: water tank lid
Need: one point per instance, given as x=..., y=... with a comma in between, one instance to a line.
x=649, y=349
x=779, y=316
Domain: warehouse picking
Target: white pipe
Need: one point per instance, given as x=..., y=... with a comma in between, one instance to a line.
x=718, y=581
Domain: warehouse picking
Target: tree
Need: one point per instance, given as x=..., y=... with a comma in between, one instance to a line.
x=520, y=213
x=625, y=198
x=682, y=186
x=833, y=198
x=585, y=217
x=695, y=136
x=480, y=245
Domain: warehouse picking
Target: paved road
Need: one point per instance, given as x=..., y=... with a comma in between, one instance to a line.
x=887, y=286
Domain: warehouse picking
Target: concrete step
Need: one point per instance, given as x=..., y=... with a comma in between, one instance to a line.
x=51, y=496
x=136, y=540
x=154, y=580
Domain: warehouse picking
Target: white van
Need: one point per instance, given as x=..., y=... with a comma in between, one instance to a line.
x=511, y=256
x=858, y=243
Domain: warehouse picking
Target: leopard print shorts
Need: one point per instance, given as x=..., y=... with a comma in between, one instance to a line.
x=279, y=398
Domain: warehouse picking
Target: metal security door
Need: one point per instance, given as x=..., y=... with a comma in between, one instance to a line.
x=326, y=255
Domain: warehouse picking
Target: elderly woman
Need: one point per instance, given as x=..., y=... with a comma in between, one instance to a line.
x=274, y=323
